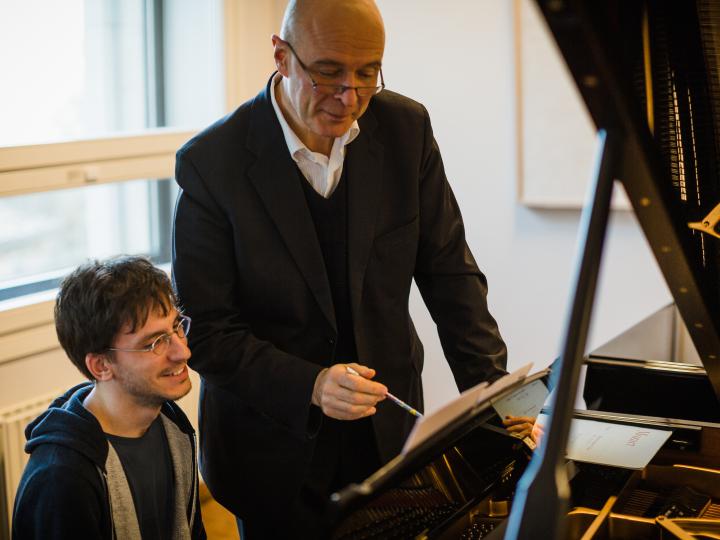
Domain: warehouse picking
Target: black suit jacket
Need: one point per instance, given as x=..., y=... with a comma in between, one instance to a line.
x=249, y=271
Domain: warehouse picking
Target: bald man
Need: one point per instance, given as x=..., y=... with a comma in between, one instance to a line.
x=302, y=220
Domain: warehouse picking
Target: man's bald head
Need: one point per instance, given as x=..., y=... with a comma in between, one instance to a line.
x=329, y=56
x=359, y=19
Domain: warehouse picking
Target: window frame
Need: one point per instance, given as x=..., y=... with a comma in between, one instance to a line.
x=150, y=153
x=54, y=166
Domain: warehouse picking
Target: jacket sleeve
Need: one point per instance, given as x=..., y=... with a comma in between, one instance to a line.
x=225, y=351
x=450, y=282
x=56, y=503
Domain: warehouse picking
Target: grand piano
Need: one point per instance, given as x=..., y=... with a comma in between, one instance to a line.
x=649, y=73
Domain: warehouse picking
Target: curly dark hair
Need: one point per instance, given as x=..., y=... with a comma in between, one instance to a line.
x=100, y=297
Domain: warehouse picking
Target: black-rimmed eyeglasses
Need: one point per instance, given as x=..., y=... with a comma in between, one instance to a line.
x=161, y=343
x=332, y=89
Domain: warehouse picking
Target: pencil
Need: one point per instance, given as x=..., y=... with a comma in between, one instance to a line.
x=392, y=398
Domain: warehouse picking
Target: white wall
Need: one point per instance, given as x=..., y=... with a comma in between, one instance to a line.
x=457, y=57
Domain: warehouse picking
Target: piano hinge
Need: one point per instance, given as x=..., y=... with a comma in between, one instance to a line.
x=708, y=223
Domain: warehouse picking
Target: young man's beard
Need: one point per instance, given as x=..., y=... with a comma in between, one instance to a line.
x=142, y=393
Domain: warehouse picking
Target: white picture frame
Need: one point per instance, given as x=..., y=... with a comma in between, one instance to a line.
x=556, y=135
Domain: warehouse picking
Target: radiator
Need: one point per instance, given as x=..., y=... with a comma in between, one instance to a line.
x=12, y=454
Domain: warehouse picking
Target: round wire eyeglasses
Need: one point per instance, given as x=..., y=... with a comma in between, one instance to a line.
x=161, y=343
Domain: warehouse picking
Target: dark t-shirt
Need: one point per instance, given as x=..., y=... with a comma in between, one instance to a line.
x=147, y=464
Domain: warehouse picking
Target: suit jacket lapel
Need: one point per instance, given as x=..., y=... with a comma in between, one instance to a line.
x=275, y=177
x=364, y=162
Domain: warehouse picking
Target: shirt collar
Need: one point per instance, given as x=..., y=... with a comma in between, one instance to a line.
x=294, y=143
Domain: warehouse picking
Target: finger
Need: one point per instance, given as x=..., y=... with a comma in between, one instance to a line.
x=345, y=385
x=362, y=385
x=356, y=398
x=510, y=420
x=347, y=397
x=520, y=427
x=332, y=402
x=364, y=371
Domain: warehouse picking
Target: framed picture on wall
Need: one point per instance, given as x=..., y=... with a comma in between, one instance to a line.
x=556, y=136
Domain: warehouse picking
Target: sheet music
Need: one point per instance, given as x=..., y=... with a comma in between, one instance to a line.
x=525, y=401
x=430, y=424
x=617, y=445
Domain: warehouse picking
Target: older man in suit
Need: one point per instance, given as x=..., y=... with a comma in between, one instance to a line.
x=302, y=220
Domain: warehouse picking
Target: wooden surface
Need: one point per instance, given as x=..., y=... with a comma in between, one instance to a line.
x=219, y=523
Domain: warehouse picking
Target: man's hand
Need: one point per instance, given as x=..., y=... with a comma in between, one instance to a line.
x=520, y=426
x=345, y=396
x=538, y=431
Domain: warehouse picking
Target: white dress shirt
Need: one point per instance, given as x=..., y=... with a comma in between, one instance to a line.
x=322, y=172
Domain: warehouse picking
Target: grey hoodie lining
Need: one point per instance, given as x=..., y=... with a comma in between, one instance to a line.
x=123, y=515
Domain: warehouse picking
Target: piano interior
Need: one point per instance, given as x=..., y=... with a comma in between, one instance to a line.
x=648, y=70
x=466, y=491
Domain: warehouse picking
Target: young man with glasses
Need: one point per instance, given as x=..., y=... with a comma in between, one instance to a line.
x=115, y=457
x=303, y=219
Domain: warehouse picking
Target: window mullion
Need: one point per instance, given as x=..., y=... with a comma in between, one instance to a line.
x=160, y=193
x=155, y=62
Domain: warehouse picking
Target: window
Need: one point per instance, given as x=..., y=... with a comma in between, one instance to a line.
x=79, y=67
x=46, y=234
x=103, y=93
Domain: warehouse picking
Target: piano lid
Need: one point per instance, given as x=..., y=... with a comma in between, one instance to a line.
x=651, y=69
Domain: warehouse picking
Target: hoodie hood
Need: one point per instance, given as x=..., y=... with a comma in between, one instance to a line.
x=66, y=422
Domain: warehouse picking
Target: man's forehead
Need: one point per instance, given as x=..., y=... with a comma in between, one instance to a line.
x=341, y=48
x=153, y=315
x=345, y=61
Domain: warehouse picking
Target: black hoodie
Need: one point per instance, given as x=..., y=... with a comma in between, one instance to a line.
x=63, y=491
